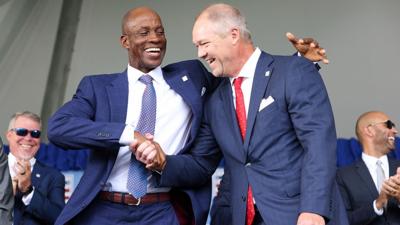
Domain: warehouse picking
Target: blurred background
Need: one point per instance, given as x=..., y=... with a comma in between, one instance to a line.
x=40, y=70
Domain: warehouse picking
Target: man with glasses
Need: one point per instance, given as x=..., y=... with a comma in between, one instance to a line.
x=371, y=186
x=38, y=189
x=6, y=195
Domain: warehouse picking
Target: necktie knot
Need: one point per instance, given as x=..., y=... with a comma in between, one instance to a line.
x=146, y=79
x=379, y=163
x=237, y=82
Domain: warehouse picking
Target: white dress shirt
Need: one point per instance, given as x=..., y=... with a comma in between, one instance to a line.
x=370, y=162
x=247, y=71
x=173, y=122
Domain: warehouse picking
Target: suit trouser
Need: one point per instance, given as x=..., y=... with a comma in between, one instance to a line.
x=101, y=212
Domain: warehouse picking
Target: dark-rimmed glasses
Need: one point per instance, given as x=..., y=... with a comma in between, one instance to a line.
x=23, y=132
x=388, y=123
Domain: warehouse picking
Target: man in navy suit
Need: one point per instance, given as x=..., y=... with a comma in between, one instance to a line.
x=286, y=153
x=103, y=114
x=39, y=189
x=369, y=199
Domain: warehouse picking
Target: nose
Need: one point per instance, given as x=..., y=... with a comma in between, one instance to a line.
x=201, y=53
x=394, y=130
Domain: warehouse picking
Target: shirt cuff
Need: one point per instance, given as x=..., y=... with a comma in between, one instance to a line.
x=378, y=212
x=127, y=135
x=26, y=199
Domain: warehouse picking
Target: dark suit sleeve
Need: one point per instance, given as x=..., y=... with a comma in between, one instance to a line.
x=48, y=199
x=196, y=166
x=73, y=126
x=312, y=118
x=6, y=195
x=362, y=214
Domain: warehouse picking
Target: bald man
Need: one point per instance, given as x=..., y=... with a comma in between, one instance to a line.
x=372, y=198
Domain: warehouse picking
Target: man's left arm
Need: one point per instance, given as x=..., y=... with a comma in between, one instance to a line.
x=47, y=203
x=6, y=193
x=312, y=118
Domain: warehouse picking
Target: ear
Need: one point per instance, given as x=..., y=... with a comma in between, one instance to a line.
x=368, y=132
x=235, y=35
x=124, y=41
x=8, y=135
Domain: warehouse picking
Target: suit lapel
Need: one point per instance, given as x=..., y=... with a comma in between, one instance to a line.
x=363, y=171
x=182, y=84
x=118, y=97
x=260, y=83
x=36, y=173
x=392, y=167
x=232, y=126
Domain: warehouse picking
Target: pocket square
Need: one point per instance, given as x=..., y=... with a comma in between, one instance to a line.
x=266, y=102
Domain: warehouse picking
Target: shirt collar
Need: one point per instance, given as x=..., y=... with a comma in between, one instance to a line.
x=249, y=68
x=371, y=160
x=12, y=160
x=134, y=74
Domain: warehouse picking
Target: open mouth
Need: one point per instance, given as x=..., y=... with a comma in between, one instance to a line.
x=210, y=61
x=153, y=51
x=25, y=146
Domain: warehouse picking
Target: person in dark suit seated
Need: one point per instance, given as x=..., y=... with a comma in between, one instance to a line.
x=370, y=187
x=6, y=193
x=38, y=189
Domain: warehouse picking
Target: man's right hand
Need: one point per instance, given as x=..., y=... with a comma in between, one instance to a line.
x=148, y=151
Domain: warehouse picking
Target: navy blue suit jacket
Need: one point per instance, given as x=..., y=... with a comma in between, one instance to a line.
x=358, y=191
x=95, y=119
x=288, y=155
x=47, y=200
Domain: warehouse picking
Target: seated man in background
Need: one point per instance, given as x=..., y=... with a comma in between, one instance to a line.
x=6, y=195
x=38, y=189
x=370, y=187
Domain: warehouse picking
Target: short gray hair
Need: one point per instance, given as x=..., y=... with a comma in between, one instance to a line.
x=225, y=17
x=26, y=114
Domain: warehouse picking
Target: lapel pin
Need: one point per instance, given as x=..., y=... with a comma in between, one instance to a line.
x=203, y=90
x=38, y=175
x=267, y=73
x=184, y=78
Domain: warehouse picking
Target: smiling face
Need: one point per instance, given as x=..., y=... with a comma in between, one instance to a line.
x=215, y=48
x=23, y=147
x=376, y=134
x=384, y=138
x=143, y=36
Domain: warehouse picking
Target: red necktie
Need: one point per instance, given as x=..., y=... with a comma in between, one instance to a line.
x=241, y=117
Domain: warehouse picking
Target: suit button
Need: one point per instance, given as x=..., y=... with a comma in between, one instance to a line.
x=243, y=198
x=248, y=164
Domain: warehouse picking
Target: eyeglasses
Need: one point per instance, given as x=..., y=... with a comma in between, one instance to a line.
x=388, y=123
x=23, y=132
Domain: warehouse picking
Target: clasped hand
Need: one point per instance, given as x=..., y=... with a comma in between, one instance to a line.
x=148, y=151
x=22, y=179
